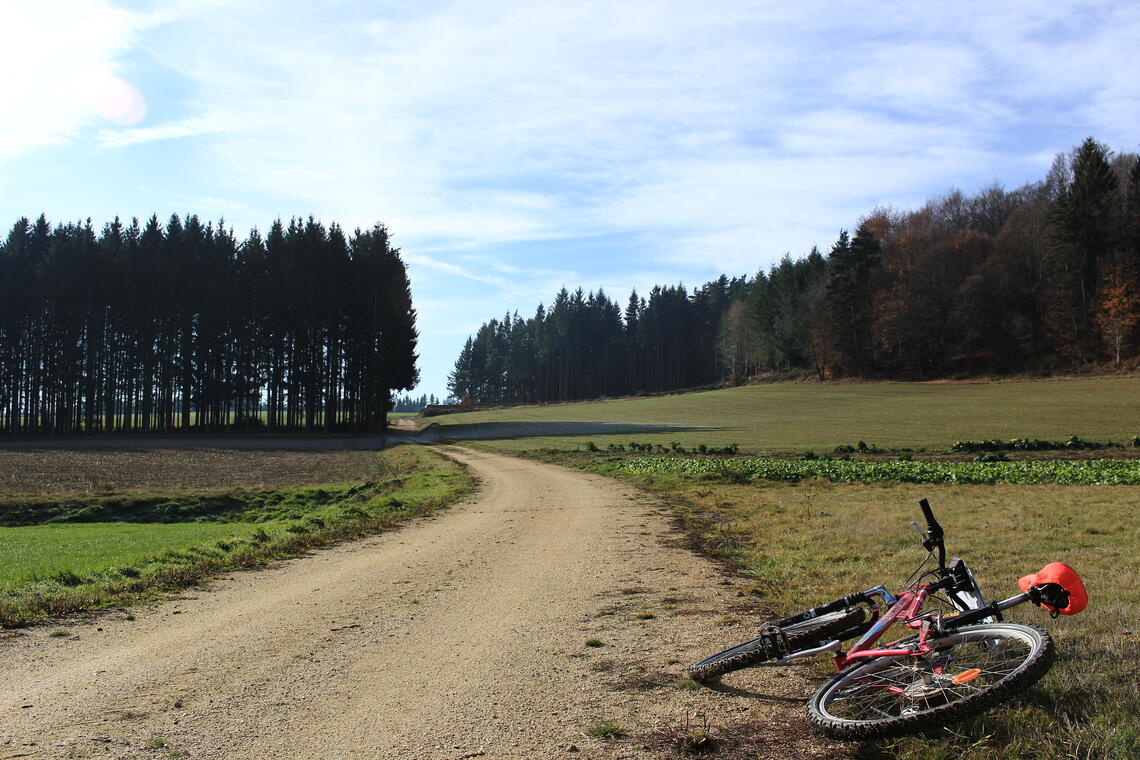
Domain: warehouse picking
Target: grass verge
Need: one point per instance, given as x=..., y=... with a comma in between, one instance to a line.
x=59, y=556
x=807, y=542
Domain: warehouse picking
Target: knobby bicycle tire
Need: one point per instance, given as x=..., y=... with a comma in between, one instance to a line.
x=806, y=635
x=972, y=668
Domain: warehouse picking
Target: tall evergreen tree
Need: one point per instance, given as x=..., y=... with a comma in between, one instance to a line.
x=850, y=266
x=1083, y=222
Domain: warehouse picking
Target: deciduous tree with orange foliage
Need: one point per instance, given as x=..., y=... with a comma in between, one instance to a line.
x=1119, y=310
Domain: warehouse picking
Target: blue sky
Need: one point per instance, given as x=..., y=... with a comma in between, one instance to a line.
x=516, y=147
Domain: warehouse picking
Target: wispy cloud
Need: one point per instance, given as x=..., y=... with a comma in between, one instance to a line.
x=470, y=127
x=193, y=127
x=419, y=260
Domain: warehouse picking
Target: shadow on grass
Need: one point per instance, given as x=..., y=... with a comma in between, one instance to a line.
x=230, y=506
x=486, y=431
x=158, y=509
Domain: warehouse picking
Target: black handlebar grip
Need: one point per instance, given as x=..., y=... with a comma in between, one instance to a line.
x=933, y=529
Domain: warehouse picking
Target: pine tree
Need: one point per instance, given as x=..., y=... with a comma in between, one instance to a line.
x=1083, y=222
x=850, y=267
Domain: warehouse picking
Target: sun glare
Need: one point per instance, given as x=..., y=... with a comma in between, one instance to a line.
x=113, y=98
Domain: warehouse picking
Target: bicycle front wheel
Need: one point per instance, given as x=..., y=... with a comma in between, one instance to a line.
x=801, y=636
x=971, y=669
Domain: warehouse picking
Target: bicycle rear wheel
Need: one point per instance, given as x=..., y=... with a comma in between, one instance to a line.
x=805, y=635
x=971, y=669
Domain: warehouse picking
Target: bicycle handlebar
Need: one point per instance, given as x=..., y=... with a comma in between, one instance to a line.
x=933, y=533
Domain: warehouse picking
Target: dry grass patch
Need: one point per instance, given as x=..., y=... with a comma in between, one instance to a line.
x=805, y=543
x=811, y=542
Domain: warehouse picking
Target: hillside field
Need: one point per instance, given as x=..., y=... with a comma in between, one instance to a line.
x=794, y=417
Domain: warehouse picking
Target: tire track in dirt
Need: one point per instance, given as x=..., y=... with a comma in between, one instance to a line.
x=458, y=636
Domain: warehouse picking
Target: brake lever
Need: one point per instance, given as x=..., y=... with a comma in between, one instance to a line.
x=921, y=533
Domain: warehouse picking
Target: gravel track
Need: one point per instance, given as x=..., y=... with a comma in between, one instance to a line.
x=458, y=636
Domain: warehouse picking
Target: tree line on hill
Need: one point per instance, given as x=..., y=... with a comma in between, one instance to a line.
x=409, y=403
x=1043, y=277
x=152, y=327
x=585, y=346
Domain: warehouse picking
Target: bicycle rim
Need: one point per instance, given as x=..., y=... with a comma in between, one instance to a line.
x=971, y=669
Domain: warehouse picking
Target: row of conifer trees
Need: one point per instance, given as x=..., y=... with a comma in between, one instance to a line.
x=586, y=346
x=157, y=327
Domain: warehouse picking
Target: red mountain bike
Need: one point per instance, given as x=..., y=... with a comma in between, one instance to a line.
x=953, y=662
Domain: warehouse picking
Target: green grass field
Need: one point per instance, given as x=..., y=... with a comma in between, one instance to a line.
x=44, y=552
x=784, y=417
x=62, y=552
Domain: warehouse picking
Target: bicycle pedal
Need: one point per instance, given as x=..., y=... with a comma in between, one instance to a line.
x=775, y=641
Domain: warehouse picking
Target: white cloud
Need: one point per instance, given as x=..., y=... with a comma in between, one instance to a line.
x=460, y=127
x=420, y=260
x=193, y=127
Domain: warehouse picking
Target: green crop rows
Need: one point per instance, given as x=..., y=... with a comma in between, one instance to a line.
x=1086, y=472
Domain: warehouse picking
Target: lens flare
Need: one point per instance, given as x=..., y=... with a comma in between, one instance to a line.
x=113, y=98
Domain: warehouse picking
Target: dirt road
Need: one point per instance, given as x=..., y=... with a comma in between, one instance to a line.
x=460, y=636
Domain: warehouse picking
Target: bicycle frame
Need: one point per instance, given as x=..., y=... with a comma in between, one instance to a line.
x=907, y=609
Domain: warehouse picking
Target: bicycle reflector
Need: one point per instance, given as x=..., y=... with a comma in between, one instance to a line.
x=1065, y=577
x=966, y=676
